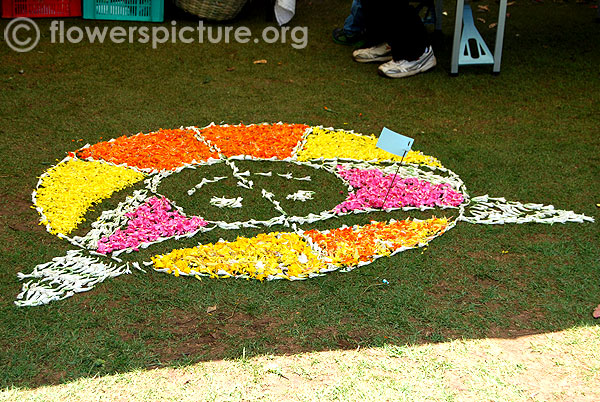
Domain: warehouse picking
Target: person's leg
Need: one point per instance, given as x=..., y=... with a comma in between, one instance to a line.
x=353, y=31
x=399, y=24
x=411, y=51
x=372, y=14
x=354, y=23
x=376, y=47
x=408, y=35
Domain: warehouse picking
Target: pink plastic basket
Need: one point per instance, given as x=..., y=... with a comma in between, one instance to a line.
x=41, y=8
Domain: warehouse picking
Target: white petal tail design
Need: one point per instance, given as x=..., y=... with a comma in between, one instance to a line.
x=64, y=276
x=497, y=211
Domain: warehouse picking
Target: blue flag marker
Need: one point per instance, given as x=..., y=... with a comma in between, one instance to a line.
x=394, y=143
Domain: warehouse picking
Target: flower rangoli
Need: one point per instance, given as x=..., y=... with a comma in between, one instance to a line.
x=287, y=248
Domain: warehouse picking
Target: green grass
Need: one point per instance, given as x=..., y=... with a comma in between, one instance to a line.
x=529, y=134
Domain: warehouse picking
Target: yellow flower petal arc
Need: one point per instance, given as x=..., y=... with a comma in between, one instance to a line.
x=330, y=144
x=69, y=189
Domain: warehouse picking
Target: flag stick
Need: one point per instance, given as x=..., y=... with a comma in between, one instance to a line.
x=393, y=180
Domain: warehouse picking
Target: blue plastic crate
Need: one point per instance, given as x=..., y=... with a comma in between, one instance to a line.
x=124, y=10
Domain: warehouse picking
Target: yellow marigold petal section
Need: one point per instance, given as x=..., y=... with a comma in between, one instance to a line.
x=328, y=144
x=352, y=245
x=277, y=254
x=289, y=255
x=70, y=188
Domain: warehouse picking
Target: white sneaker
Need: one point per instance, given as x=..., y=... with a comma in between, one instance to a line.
x=373, y=54
x=404, y=68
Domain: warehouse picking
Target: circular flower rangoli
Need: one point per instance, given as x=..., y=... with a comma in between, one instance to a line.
x=152, y=214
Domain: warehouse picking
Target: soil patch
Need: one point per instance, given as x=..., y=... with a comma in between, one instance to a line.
x=16, y=214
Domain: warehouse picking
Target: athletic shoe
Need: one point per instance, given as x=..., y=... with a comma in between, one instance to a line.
x=342, y=38
x=373, y=54
x=404, y=68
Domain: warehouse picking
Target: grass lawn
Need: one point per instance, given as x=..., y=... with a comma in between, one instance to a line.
x=475, y=316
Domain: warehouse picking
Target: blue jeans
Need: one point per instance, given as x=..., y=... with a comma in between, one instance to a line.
x=355, y=23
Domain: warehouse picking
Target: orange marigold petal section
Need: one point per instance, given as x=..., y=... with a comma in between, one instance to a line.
x=352, y=245
x=161, y=150
x=260, y=140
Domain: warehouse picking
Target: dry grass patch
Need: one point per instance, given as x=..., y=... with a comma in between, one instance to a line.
x=548, y=367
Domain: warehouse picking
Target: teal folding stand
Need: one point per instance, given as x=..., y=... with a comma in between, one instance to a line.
x=468, y=47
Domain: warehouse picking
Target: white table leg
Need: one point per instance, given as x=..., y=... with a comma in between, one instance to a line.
x=460, y=4
x=499, y=36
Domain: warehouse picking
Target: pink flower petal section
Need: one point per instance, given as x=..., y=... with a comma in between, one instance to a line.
x=371, y=186
x=154, y=219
